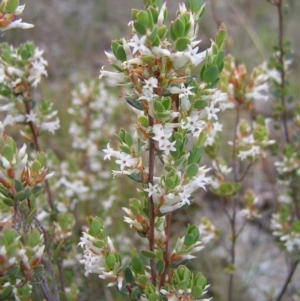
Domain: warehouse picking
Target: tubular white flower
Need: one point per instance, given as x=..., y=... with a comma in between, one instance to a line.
x=17, y=24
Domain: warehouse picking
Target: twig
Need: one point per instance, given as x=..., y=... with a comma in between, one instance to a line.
x=151, y=205
x=245, y=172
x=287, y=280
x=166, y=250
x=234, y=163
x=278, y=4
x=45, y=288
x=232, y=249
x=49, y=255
x=37, y=148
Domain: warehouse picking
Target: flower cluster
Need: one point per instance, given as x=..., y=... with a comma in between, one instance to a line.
x=241, y=89
x=171, y=107
x=19, y=177
x=21, y=70
x=20, y=262
x=100, y=256
x=251, y=142
x=287, y=230
x=9, y=12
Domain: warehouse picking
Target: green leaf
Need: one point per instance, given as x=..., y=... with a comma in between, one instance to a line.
x=135, y=103
x=160, y=266
x=143, y=18
x=110, y=260
x=22, y=195
x=167, y=103
x=189, y=240
x=219, y=59
x=197, y=291
x=8, y=153
x=121, y=54
x=162, y=31
x=126, y=149
x=4, y=191
x=6, y=292
x=33, y=238
x=170, y=183
x=153, y=12
x=38, y=272
x=200, y=104
x=192, y=170
x=99, y=244
x=9, y=236
x=128, y=139
x=96, y=225
x=142, y=279
x=211, y=74
x=153, y=297
x=221, y=36
x=179, y=28
x=137, y=265
x=182, y=43
x=136, y=177
x=182, y=285
x=36, y=166
x=9, y=202
x=154, y=34
x=12, y=272
x=296, y=226
x=148, y=254
x=41, y=157
x=11, y=6
x=140, y=28
x=128, y=275
x=18, y=186
x=30, y=216
x=201, y=140
x=158, y=106
x=37, y=190
x=135, y=294
x=57, y=250
x=195, y=5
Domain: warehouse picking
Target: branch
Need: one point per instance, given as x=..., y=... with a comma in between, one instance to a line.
x=287, y=280
x=37, y=148
x=166, y=251
x=278, y=4
x=151, y=205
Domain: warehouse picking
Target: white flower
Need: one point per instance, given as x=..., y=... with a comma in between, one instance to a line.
x=195, y=57
x=50, y=126
x=139, y=45
x=192, y=123
x=151, y=189
x=160, y=19
x=158, y=50
x=161, y=135
x=147, y=95
x=125, y=160
x=184, y=93
x=185, y=197
x=252, y=152
x=17, y=24
x=211, y=111
x=179, y=59
x=150, y=84
x=110, y=152
x=168, y=147
x=31, y=117
x=117, y=77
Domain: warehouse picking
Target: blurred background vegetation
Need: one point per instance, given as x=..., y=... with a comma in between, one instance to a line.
x=74, y=35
